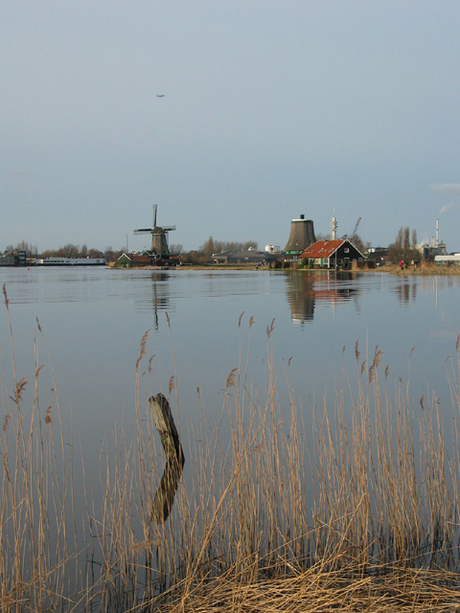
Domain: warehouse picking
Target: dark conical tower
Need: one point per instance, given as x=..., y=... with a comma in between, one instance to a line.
x=302, y=236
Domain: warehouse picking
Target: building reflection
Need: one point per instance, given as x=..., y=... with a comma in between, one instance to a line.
x=306, y=289
x=406, y=291
x=408, y=287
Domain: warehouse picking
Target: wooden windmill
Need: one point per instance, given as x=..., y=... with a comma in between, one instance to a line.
x=159, y=236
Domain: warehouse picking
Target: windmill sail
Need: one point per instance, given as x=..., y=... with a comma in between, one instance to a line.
x=159, y=236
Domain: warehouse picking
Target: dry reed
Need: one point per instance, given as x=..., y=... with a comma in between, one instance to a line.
x=362, y=515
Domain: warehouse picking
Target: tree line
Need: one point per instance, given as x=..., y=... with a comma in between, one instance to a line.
x=205, y=251
x=404, y=249
x=212, y=246
x=66, y=251
x=70, y=250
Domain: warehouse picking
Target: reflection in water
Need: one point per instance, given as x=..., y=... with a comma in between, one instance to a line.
x=160, y=290
x=438, y=283
x=300, y=297
x=406, y=290
x=435, y=282
x=307, y=288
x=157, y=296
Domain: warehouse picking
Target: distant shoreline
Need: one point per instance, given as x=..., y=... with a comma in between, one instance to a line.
x=421, y=270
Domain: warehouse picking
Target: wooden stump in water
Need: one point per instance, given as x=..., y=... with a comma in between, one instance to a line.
x=164, y=423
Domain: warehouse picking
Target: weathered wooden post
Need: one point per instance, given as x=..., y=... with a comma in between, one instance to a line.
x=164, y=423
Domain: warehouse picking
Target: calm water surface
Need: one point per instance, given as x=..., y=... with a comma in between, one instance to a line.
x=93, y=321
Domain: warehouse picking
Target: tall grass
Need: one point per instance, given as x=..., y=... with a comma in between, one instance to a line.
x=359, y=512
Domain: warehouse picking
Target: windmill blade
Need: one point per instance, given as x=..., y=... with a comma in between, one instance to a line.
x=155, y=206
x=143, y=231
x=168, y=228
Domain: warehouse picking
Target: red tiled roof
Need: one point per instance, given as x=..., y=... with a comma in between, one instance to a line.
x=321, y=249
x=141, y=259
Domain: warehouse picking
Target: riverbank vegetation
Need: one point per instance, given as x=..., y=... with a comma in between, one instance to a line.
x=348, y=503
x=69, y=250
x=421, y=269
x=204, y=253
x=404, y=248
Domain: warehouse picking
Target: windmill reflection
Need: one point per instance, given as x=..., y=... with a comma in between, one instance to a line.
x=306, y=289
x=157, y=295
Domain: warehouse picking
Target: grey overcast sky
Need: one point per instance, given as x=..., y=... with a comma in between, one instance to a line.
x=271, y=108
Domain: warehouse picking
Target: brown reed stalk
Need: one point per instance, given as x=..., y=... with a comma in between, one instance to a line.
x=242, y=536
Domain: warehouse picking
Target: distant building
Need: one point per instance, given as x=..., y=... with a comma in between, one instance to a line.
x=429, y=252
x=13, y=258
x=139, y=260
x=302, y=236
x=447, y=260
x=340, y=253
x=251, y=256
x=377, y=256
x=272, y=249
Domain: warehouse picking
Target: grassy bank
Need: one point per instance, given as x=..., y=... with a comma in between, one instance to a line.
x=425, y=268
x=361, y=514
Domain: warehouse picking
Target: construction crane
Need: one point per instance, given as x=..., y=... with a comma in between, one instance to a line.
x=345, y=236
x=355, y=229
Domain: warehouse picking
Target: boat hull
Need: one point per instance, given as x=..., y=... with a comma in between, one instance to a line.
x=70, y=262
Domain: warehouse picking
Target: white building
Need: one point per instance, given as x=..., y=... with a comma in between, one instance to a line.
x=445, y=260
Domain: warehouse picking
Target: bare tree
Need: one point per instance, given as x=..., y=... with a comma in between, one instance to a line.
x=31, y=250
x=208, y=248
x=212, y=246
x=359, y=243
x=402, y=250
x=406, y=245
x=69, y=251
x=110, y=254
x=95, y=253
